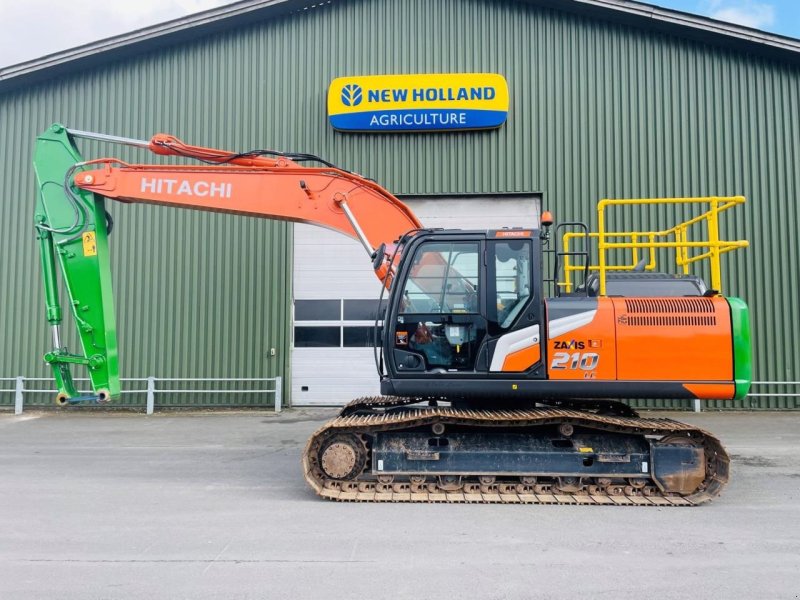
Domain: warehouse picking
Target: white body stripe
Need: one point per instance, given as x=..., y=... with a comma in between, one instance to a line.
x=512, y=342
x=558, y=327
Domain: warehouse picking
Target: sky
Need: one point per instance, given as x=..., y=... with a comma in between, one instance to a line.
x=34, y=28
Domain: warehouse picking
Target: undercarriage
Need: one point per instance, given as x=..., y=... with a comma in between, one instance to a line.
x=392, y=449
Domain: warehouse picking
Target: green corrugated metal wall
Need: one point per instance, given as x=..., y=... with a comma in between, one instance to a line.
x=597, y=110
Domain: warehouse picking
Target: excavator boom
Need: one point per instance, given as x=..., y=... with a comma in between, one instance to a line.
x=320, y=196
x=275, y=187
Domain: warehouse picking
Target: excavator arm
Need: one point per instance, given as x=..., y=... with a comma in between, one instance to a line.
x=72, y=231
x=72, y=224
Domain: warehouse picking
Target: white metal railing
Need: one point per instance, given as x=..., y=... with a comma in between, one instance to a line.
x=774, y=383
x=19, y=390
x=151, y=390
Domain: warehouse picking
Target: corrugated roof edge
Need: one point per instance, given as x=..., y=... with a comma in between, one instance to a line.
x=678, y=23
x=148, y=38
x=683, y=24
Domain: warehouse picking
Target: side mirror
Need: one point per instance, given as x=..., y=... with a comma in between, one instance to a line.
x=377, y=257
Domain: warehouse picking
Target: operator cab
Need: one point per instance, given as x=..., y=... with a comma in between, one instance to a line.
x=456, y=295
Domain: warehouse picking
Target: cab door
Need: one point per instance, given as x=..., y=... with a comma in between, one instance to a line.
x=515, y=343
x=440, y=325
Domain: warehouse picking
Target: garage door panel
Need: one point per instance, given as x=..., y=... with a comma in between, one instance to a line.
x=491, y=213
x=325, y=260
x=333, y=376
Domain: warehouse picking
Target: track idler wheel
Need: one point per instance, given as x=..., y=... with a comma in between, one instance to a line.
x=569, y=485
x=343, y=457
x=450, y=483
x=679, y=464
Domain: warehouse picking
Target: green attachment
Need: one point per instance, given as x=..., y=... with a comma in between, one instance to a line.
x=72, y=232
x=56, y=356
x=742, y=347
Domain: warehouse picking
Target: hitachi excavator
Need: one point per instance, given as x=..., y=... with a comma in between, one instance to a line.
x=493, y=389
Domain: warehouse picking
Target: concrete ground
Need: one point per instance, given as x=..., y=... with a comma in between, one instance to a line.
x=214, y=505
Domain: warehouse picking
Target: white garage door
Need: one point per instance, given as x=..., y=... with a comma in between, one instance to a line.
x=336, y=293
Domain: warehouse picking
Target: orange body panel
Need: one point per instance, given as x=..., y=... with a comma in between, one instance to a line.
x=522, y=360
x=648, y=339
x=711, y=391
x=587, y=351
x=673, y=339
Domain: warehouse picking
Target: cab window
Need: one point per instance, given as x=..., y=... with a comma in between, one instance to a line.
x=510, y=274
x=443, y=279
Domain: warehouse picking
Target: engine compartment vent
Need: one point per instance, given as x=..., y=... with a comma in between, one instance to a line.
x=670, y=306
x=672, y=321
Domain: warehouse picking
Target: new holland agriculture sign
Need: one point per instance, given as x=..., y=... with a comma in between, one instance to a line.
x=418, y=102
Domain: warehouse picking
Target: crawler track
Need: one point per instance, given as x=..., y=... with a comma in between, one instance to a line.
x=366, y=416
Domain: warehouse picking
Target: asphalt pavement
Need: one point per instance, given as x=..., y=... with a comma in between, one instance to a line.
x=214, y=505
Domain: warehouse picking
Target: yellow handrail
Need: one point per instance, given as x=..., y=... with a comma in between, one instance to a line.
x=677, y=237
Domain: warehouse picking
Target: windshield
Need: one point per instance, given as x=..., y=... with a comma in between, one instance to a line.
x=443, y=279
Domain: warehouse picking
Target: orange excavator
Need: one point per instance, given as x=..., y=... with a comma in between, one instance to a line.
x=493, y=389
